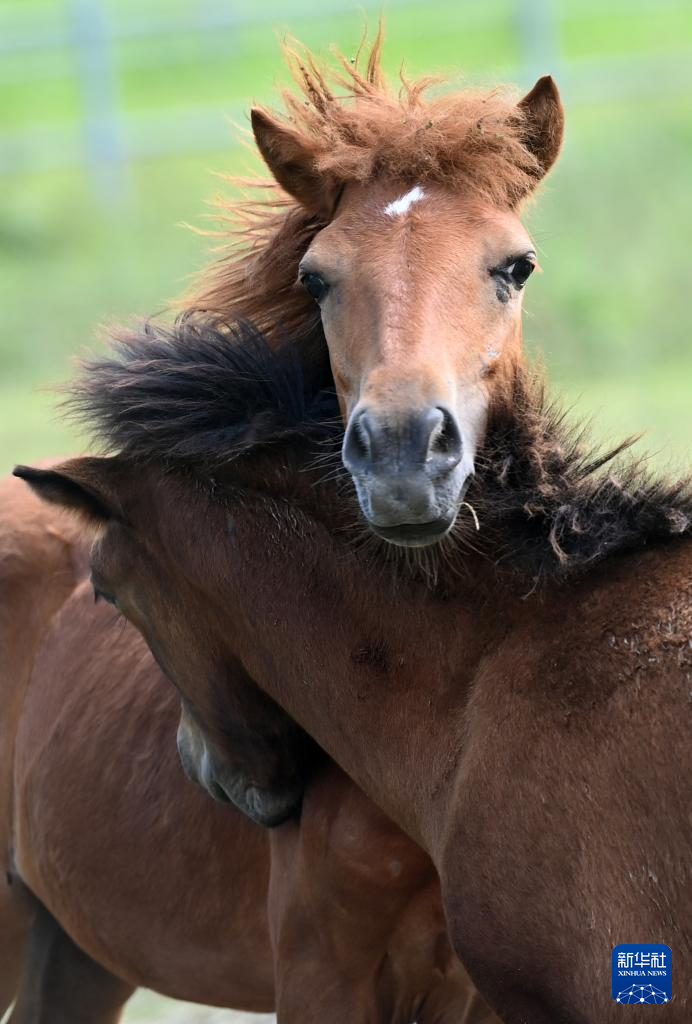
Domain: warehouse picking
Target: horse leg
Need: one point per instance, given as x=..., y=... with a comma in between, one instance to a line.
x=478, y=1011
x=60, y=984
x=356, y=920
x=322, y=994
x=17, y=910
x=455, y=1001
x=311, y=981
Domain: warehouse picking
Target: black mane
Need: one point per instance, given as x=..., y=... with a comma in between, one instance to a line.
x=200, y=395
x=553, y=504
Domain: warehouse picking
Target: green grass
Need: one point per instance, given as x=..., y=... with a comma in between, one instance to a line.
x=649, y=31
x=147, y=1007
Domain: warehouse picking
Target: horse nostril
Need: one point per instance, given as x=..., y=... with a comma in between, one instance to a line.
x=358, y=442
x=428, y=441
x=217, y=791
x=445, y=439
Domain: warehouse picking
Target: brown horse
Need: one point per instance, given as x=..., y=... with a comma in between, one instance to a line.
x=120, y=873
x=520, y=706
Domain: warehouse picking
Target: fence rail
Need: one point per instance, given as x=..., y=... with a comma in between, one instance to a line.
x=83, y=41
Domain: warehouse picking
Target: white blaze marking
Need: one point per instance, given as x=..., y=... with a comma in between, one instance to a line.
x=405, y=202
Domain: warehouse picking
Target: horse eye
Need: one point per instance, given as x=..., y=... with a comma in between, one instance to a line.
x=520, y=271
x=315, y=285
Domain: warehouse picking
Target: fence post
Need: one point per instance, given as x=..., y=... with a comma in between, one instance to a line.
x=103, y=142
x=537, y=30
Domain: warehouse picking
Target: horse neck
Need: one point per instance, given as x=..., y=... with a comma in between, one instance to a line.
x=348, y=663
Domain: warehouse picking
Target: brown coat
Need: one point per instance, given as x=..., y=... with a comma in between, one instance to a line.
x=337, y=918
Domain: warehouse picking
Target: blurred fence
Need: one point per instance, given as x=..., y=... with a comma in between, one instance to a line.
x=90, y=42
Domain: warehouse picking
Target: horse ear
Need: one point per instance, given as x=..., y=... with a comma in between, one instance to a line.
x=87, y=486
x=292, y=163
x=545, y=119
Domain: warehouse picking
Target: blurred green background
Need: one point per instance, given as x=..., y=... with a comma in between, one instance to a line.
x=115, y=113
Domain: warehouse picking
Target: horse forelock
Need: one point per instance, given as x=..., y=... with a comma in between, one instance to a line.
x=358, y=128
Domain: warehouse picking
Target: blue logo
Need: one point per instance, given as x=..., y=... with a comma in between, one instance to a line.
x=642, y=973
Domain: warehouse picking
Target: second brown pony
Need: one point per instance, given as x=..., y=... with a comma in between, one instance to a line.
x=117, y=872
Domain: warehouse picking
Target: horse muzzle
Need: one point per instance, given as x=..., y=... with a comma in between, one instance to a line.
x=410, y=473
x=229, y=784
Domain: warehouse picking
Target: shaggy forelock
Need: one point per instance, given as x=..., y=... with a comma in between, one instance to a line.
x=357, y=127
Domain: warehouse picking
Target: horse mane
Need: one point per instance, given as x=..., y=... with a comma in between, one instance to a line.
x=552, y=503
x=357, y=128
x=198, y=394
x=206, y=398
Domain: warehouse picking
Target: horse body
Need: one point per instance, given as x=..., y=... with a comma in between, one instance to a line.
x=522, y=713
x=538, y=752
x=565, y=728
x=586, y=719
x=123, y=874
x=158, y=885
